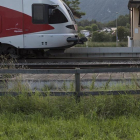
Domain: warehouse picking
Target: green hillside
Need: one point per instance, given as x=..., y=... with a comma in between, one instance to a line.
x=103, y=10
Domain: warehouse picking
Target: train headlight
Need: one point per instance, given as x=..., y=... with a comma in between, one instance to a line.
x=71, y=27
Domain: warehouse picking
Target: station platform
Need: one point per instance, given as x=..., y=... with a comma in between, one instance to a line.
x=101, y=52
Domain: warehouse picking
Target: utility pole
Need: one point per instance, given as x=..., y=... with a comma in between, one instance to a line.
x=116, y=29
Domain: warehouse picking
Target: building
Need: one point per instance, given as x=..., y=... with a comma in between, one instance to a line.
x=113, y=29
x=109, y=30
x=86, y=33
x=134, y=7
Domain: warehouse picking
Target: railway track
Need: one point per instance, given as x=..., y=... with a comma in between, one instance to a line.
x=78, y=59
x=68, y=66
x=67, y=63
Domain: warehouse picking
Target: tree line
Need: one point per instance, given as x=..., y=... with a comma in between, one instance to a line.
x=123, y=29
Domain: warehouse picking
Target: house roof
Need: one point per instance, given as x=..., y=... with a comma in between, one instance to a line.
x=133, y=4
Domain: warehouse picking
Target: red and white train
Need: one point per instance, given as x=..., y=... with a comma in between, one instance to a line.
x=28, y=26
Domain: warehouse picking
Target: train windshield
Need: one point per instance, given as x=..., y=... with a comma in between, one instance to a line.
x=70, y=13
x=56, y=16
x=43, y=14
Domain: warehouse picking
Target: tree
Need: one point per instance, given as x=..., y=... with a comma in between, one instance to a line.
x=84, y=23
x=101, y=37
x=88, y=28
x=126, y=34
x=123, y=33
x=122, y=21
x=94, y=27
x=128, y=26
x=74, y=6
x=113, y=38
x=81, y=35
x=95, y=37
x=80, y=28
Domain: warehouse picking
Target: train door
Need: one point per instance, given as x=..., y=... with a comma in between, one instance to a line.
x=35, y=23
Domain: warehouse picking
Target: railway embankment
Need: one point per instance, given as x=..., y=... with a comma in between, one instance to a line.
x=58, y=82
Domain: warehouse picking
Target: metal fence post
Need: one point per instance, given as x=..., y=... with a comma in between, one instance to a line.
x=77, y=85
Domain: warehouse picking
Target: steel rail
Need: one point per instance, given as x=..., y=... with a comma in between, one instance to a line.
x=69, y=66
x=78, y=59
x=71, y=59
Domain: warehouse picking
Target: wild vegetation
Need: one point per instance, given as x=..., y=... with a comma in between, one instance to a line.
x=100, y=31
x=32, y=116
x=122, y=20
x=103, y=44
x=96, y=28
x=100, y=117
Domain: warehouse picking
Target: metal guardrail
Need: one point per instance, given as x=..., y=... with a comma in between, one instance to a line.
x=95, y=93
x=77, y=73
x=68, y=71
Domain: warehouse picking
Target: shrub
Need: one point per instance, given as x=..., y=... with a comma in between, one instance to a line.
x=101, y=37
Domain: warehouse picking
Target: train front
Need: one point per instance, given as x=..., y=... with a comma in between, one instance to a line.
x=65, y=28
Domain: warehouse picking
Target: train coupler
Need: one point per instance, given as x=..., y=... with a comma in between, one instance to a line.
x=77, y=40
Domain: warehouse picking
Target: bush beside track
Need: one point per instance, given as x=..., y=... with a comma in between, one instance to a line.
x=104, y=44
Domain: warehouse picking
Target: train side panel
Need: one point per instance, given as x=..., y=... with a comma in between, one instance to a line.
x=11, y=22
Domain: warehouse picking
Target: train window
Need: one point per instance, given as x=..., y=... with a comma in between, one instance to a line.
x=56, y=16
x=70, y=12
x=39, y=14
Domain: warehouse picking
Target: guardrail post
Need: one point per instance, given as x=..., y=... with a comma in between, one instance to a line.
x=77, y=85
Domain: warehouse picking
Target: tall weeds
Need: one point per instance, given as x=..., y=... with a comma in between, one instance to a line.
x=107, y=106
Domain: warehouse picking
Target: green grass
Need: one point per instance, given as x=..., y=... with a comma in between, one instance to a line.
x=37, y=127
x=104, y=44
x=61, y=118
x=105, y=117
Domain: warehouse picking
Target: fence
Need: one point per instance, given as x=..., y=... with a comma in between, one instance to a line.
x=77, y=73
